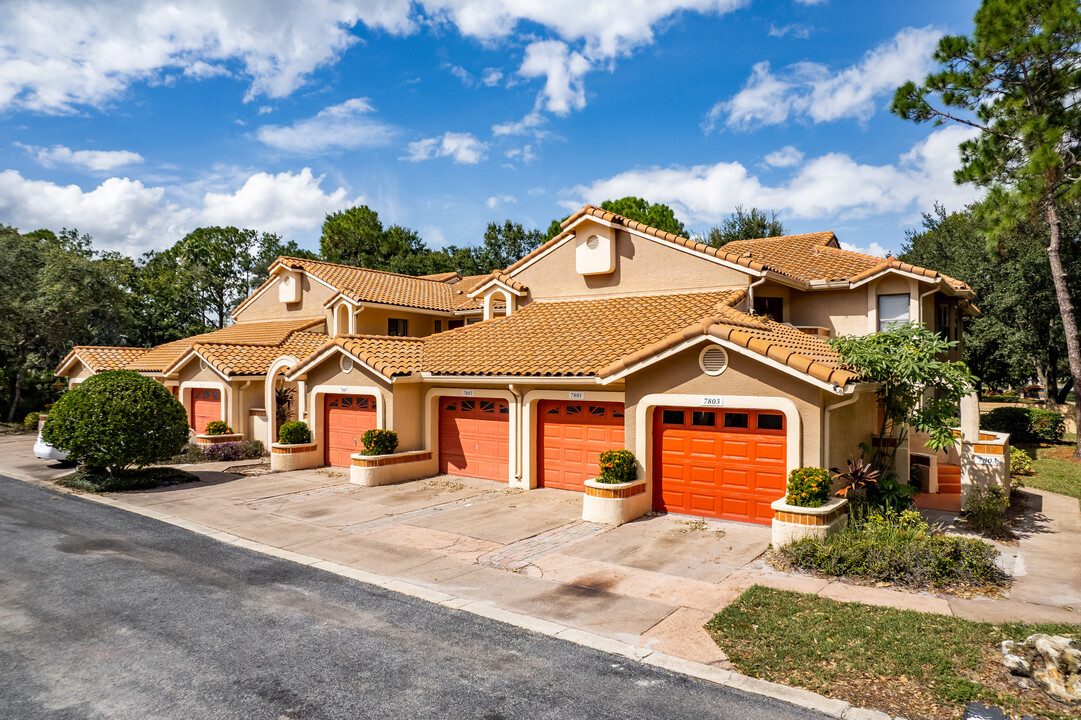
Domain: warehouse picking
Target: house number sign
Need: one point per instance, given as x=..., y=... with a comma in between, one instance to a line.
x=576, y=395
x=467, y=393
x=988, y=460
x=712, y=401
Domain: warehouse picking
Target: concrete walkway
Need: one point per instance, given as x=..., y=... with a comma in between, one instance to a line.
x=651, y=584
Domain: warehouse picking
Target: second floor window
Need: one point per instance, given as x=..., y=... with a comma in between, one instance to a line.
x=397, y=327
x=772, y=307
x=892, y=309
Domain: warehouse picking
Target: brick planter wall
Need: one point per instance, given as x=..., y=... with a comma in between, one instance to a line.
x=373, y=470
x=614, y=504
x=294, y=457
x=218, y=439
x=792, y=523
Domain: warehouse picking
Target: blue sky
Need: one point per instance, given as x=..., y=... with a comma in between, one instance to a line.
x=137, y=122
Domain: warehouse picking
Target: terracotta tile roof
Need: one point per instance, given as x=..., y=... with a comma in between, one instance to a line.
x=233, y=360
x=102, y=357
x=447, y=277
x=593, y=211
x=378, y=286
x=599, y=337
x=263, y=332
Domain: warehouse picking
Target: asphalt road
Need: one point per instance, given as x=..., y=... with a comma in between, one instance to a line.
x=106, y=614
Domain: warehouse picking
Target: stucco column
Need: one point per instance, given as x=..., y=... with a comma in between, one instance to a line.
x=970, y=435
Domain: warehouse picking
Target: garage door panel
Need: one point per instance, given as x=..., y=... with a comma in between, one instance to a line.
x=571, y=436
x=205, y=407
x=716, y=471
x=474, y=436
x=345, y=420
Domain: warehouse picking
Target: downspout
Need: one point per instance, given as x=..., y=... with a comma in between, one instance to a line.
x=826, y=425
x=750, y=293
x=518, y=434
x=241, y=416
x=919, y=303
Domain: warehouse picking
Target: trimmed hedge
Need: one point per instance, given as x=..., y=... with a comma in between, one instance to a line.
x=808, y=487
x=379, y=442
x=30, y=422
x=222, y=452
x=617, y=466
x=1025, y=425
x=295, y=432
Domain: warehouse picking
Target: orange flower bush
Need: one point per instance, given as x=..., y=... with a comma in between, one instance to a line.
x=808, y=487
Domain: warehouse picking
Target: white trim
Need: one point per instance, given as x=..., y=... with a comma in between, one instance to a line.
x=258, y=292
x=676, y=349
x=185, y=396
x=190, y=354
x=494, y=281
x=315, y=414
x=643, y=416
x=270, y=403
x=530, y=423
x=504, y=379
x=431, y=423
x=702, y=360
x=407, y=308
x=324, y=356
x=74, y=356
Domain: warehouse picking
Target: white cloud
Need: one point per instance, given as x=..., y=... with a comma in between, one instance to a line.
x=796, y=30
x=126, y=215
x=463, y=147
x=345, y=126
x=103, y=47
x=563, y=70
x=788, y=156
x=874, y=248
x=525, y=154
x=809, y=89
x=462, y=74
x=491, y=76
x=497, y=200
x=526, y=126
x=832, y=186
x=88, y=159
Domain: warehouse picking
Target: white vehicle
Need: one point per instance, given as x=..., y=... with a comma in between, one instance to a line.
x=45, y=451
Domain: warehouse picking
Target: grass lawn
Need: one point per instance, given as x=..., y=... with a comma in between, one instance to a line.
x=143, y=479
x=1054, y=470
x=907, y=663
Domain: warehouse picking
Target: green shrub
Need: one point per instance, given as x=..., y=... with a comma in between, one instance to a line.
x=294, y=432
x=617, y=466
x=1025, y=424
x=808, y=487
x=898, y=548
x=30, y=422
x=117, y=419
x=379, y=442
x=985, y=509
x=1020, y=462
x=1000, y=398
x=1046, y=425
x=218, y=427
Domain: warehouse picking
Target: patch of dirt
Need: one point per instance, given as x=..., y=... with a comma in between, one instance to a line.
x=690, y=526
x=1060, y=452
x=331, y=473
x=249, y=470
x=447, y=485
x=893, y=695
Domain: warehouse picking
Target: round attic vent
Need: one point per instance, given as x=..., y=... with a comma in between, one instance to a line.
x=593, y=242
x=203, y=367
x=713, y=360
x=346, y=364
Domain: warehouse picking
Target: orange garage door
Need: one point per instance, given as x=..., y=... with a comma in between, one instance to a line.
x=570, y=438
x=727, y=464
x=474, y=434
x=346, y=418
x=205, y=407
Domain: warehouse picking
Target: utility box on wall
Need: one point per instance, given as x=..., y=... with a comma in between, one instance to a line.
x=289, y=287
x=594, y=250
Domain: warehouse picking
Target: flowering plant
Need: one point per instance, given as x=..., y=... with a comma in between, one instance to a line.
x=808, y=487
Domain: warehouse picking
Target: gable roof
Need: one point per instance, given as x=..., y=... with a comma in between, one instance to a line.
x=100, y=357
x=591, y=338
x=231, y=360
x=253, y=333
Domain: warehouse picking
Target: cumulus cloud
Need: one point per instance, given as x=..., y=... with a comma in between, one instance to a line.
x=826, y=187
x=491, y=76
x=801, y=32
x=563, y=70
x=128, y=216
x=86, y=159
x=810, y=90
x=101, y=48
x=462, y=74
x=497, y=200
x=788, y=156
x=346, y=126
x=464, y=148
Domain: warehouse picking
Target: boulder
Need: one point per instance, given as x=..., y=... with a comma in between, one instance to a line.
x=1053, y=661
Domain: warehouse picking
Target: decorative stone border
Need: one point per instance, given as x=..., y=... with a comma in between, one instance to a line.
x=372, y=470
x=218, y=439
x=297, y=456
x=792, y=523
x=614, y=503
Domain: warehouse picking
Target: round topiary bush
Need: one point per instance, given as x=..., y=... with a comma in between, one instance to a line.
x=617, y=466
x=808, y=487
x=117, y=419
x=30, y=422
x=379, y=442
x=218, y=427
x=294, y=433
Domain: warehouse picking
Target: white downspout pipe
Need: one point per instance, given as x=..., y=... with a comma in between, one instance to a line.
x=919, y=303
x=519, y=429
x=750, y=293
x=826, y=426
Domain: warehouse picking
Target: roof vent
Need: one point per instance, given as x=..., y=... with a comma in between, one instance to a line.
x=713, y=360
x=346, y=364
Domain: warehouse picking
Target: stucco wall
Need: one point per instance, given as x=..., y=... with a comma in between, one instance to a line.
x=268, y=307
x=848, y=427
x=406, y=416
x=373, y=321
x=641, y=266
x=78, y=371
x=358, y=381
x=844, y=312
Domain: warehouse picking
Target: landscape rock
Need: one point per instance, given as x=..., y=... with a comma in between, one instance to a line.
x=1053, y=661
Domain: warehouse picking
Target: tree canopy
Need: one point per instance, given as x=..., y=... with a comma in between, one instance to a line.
x=745, y=225
x=1017, y=80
